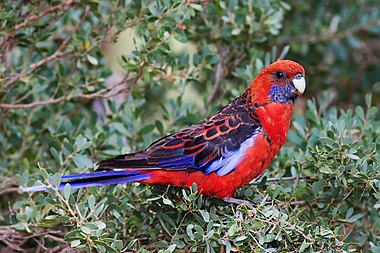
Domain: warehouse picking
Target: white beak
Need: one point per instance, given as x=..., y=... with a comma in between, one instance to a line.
x=300, y=84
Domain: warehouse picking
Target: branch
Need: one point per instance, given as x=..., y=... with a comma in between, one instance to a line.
x=6, y=186
x=58, y=54
x=99, y=94
x=16, y=240
x=276, y=179
x=129, y=25
x=219, y=74
x=36, y=65
x=313, y=38
x=30, y=19
x=300, y=232
x=68, y=97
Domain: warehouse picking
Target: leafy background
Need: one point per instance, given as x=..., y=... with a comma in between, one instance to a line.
x=82, y=81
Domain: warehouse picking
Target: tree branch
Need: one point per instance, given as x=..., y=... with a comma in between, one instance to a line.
x=16, y=240
x=30, y=19
x=129, y=25
x=276, y=179
x=313, y=38
x=36, y=65
x=58, y=54
x=219, y=74
x=99, y=94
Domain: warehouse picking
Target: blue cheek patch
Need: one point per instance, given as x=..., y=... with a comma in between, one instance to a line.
x=282, y=94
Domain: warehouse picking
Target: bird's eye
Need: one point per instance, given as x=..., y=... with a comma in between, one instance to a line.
x=298, y=76
x=280, y=74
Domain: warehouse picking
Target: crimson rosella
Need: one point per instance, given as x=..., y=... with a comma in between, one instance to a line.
x=222, y=152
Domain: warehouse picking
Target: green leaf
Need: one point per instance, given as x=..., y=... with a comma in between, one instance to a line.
x=100, y=224
x=349, y=213
x=180, y=36
x=55, y=154
x=189, y=230
x=355, y=217
x=86, y=230
x=205, y=215
x=159, y=126
x=317, y=186
x=284, y=52
x=153, y=8
x=326, y=140
x=91, y=202
x=167, y=202
x=351, y=156
x=232, y=230
x=67, y=191
x=92, y=59
x=57, y=180
x=197, y=7
x=171, y=248
x=44, y=174
x=325, y=169
x=121, y=129
x=80, y=142
x=146, y=129
x=236, y=31
x=82, y=161
x=368, y=100
x=75, y=243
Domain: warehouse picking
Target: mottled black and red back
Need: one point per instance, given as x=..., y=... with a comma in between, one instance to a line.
x=197, y=148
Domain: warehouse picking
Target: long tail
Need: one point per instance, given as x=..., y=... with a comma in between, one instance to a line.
x=99, y=178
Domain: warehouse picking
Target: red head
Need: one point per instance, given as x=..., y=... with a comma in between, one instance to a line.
x=280, y=82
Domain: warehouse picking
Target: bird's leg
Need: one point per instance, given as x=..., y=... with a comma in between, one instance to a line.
x=239, y=202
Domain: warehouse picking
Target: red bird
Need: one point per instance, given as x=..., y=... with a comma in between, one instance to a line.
x=222, y=152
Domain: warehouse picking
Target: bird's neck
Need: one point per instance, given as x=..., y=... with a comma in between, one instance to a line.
x=275, y=120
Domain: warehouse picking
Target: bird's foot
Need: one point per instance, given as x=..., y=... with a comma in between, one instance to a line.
x=239, y=202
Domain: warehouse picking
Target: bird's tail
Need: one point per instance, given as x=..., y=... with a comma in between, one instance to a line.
x=99, y=178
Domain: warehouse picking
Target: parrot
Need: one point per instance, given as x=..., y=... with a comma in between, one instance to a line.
x=220, y=153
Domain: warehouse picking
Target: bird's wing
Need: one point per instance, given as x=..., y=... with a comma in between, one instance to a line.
x=214, y=144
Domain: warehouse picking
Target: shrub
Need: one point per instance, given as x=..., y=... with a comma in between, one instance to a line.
x=321, y=193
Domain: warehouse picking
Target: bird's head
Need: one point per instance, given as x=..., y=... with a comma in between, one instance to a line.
x=281, y=82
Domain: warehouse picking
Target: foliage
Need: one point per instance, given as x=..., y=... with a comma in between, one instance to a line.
x=338, y=45
x=187, y=58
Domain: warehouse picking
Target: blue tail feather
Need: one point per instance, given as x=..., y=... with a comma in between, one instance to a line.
x=122, y=180
x=99, y=174
x=100, y=178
